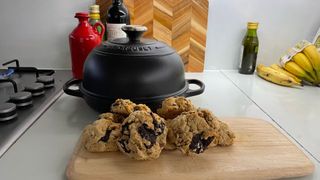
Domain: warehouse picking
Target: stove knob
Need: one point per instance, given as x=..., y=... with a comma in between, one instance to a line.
x=8, y=111
x=36, y=89
x=21, y=99
x=47, y=81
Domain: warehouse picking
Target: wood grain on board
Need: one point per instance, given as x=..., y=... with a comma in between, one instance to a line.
x=260, y=151
x=182, y=24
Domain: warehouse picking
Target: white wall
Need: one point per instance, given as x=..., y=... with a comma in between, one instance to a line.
x=36, y=32
x=282, y=24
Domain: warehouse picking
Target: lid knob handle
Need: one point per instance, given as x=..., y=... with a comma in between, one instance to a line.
x=134, y=32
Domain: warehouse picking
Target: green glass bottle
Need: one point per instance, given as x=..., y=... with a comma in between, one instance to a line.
x=250, y=46
x=95, y=16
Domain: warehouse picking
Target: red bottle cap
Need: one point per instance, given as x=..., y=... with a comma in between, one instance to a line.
x=82, y=14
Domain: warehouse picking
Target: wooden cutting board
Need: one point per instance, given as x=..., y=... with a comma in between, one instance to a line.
x=260, y=151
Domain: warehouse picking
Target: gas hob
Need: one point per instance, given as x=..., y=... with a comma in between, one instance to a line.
x=26, y=93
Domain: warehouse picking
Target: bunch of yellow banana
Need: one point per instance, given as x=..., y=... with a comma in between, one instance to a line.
x=314, y=57
x=305, y=65
x=279, y=68
x=277, y=75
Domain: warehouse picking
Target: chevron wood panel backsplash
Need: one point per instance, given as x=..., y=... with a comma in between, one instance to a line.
x=141, y=12
x=172, y=24
x=182, y=24
x=199, y=23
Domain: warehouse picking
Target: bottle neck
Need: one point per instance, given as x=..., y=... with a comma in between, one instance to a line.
x=117, y=2
x=83, y=21
x=252, y=32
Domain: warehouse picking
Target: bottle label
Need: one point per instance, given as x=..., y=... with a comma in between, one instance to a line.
x=114, y=31
x=256, y=49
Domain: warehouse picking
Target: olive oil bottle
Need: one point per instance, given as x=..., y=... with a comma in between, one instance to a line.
x=95, y=16
x=250, y=46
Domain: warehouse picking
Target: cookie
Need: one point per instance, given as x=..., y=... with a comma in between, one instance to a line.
x=174, y=106
x=143, y=135
x=189, y=133
x=123, y=107
x=224, y=136
x=117, y=118
x=101, y=136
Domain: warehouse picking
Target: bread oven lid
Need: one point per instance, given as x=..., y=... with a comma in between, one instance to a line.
x=134, y=45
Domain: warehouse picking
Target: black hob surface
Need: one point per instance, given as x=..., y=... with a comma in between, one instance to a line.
x=11, y=130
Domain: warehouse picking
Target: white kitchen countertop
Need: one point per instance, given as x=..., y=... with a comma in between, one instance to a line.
x=45, y=149
x=294, y=109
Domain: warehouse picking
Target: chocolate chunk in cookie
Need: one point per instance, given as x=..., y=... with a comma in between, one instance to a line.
x=147, y=134
x=105, y=138
x=143, y=135
x=123, y=143
x=101, y=136
x=199, y=143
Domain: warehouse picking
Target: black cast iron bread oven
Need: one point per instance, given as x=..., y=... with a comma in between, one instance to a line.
x=142, y=70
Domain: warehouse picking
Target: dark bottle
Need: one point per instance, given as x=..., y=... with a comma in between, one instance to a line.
x=117, y=17
x=250, y=45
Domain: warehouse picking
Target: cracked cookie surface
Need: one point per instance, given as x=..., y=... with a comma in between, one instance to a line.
x=101, y=136
x=117, y=118
x=174, y=106
x=142, y=107
x=123, y=107
x=224, y=136
x=143, y=135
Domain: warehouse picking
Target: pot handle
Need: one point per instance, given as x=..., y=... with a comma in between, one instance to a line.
x=72, y=92
x=191, y=92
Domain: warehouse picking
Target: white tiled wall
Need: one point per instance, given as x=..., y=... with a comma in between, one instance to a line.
x=36, y=32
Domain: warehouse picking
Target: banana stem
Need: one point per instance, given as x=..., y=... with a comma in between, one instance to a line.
x=318, y=75
x=309, y=78
x=313, y=74
x=306, y=82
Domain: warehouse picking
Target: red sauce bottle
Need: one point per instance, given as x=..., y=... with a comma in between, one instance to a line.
x=82, y=40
